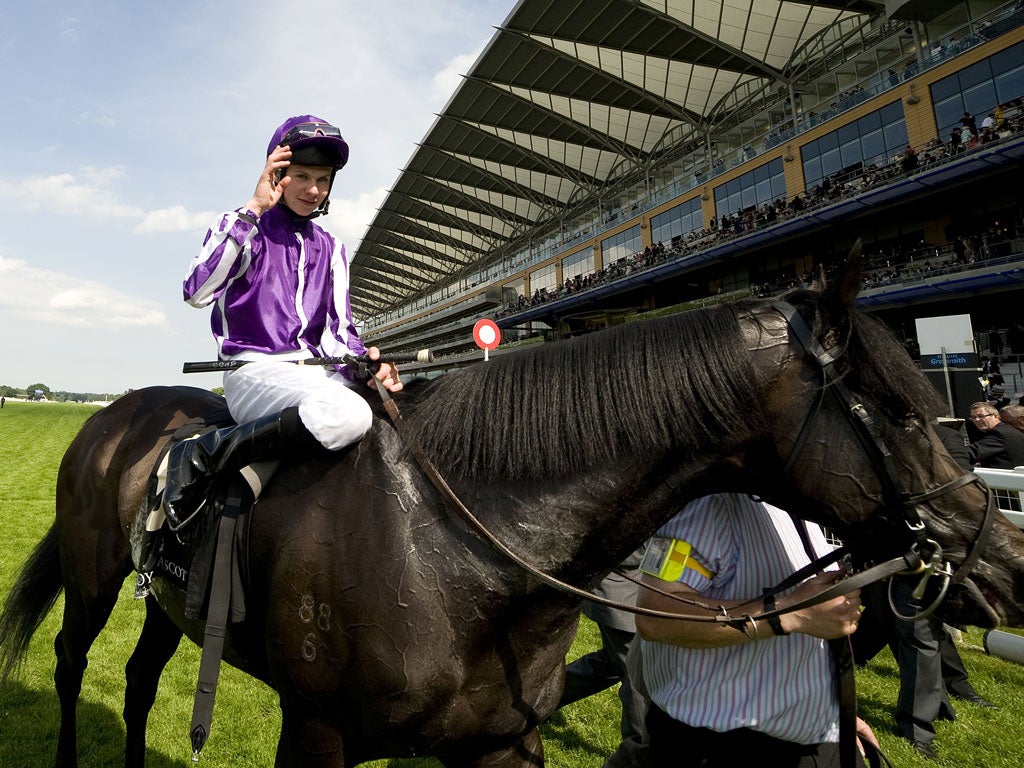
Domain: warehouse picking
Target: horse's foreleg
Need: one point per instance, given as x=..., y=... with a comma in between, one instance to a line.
x=157, y=643
x=528, y=752
x=308, y=741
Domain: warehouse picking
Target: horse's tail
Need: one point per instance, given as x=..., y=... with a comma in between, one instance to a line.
x=33, y=595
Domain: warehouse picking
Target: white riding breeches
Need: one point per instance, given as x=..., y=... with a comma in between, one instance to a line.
x=328, y=407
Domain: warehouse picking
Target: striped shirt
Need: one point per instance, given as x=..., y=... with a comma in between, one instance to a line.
x=782, y=686
x=279, y=288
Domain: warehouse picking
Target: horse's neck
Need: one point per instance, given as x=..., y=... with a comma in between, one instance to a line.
x=582, y=528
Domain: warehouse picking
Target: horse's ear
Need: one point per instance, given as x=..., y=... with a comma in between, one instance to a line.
x=842, y=291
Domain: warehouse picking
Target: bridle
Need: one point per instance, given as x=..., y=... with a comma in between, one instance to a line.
x=924, y=555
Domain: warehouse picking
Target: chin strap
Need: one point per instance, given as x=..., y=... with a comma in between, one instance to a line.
x=323, y=210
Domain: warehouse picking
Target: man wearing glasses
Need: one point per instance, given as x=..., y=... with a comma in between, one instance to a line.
x=994, y=445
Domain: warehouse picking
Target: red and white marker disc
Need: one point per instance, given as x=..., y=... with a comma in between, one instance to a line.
x=486, y=334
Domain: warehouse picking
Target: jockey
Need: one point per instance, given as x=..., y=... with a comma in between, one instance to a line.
x=278, y=284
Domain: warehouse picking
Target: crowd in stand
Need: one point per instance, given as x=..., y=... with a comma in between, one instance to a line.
x=894, y=265
x=651, y=256
x=1004, y=122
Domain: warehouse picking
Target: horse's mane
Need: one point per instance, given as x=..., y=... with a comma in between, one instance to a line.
x=631, y=392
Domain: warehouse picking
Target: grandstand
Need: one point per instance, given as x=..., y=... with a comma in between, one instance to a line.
x=607, y=159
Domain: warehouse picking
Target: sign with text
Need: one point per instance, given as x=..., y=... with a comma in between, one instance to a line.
x=953, y=360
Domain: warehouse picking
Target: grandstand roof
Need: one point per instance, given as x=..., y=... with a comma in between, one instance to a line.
x=568, y=96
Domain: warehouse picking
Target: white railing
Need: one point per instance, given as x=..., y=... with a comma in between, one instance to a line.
x=1008, y=485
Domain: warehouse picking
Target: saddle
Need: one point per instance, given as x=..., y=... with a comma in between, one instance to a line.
x=183, y=558
x=206, y=556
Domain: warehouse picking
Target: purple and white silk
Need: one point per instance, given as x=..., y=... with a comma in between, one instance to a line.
x=279, y=291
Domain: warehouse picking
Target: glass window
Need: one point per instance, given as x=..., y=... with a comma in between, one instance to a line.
x=851, y=153
x=828, y=141
x=872, y=145
x=870, y=122
x=848, y=132
x=1010, y=85
x=516, y=287
x=755, y=187
x=862, y=142
x=778, y=183
x=974, y=74
x=944, y=88
x=621, y=245
x=981, y=99
x=578, y=264
x=543, y=278
x=830, y=162
x=895, y=138
x=763, y=190
x=680, y=220
x=891, y=113
x=812, y=171
x=1008, y=59
x=978, y=88
x=947, y=115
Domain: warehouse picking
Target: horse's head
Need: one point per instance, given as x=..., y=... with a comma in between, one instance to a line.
x=852, y=414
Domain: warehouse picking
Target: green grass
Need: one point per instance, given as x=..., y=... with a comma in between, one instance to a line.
x=33, y=437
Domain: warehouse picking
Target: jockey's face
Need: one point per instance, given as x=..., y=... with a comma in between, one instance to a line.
x=309, y=187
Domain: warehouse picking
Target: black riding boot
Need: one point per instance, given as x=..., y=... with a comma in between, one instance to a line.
x=192, y=464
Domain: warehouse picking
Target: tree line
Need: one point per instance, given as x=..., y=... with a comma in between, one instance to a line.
x=41, y=391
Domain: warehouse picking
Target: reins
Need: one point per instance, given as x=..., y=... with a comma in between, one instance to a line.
x=453, y=500
x=924, y=556
x=927, y=552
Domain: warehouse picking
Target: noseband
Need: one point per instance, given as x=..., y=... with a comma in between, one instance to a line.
x=902, y=506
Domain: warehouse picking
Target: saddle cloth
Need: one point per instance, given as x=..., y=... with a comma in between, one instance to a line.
x=184, y=558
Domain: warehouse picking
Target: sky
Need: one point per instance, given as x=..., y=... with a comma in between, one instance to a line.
x=127, y=127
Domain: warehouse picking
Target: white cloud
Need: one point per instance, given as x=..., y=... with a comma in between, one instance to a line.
x=349, y=217
x=71, y=196
x=31, y=295
x=92, y=118
x=174, y=219
x=90, y=194
x=447, y=81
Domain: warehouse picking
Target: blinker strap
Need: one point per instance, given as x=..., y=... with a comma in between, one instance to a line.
x=865, y=428
x=803, y=334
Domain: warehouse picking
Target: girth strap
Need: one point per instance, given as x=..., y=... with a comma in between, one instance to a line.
x=216, y=626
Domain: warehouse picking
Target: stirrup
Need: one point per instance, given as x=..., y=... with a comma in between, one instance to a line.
x=175, y=527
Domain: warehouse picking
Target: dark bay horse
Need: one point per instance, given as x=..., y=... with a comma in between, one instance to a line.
x=390, y=628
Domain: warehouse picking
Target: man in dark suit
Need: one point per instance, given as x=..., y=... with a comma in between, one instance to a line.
x=1013, y=415
x=997, y=445
x=607, y=666
x=931, y=670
